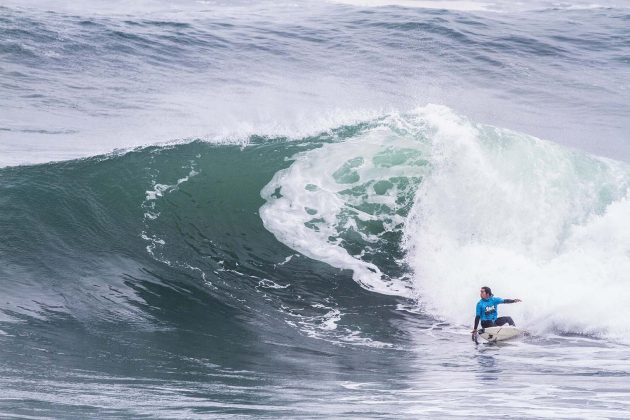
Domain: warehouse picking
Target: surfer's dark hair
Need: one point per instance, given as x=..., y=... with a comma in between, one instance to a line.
x=487, y=290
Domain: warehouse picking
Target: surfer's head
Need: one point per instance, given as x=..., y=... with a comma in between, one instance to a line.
x=485, y=292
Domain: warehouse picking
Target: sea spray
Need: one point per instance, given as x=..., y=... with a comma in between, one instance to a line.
x=467, y=205
x=527, y=217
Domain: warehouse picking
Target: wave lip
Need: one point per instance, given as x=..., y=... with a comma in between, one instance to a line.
x=346, y=202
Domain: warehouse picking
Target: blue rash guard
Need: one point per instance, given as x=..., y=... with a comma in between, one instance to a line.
x=487, y=308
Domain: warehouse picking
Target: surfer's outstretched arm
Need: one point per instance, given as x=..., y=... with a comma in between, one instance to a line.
x=511, y=300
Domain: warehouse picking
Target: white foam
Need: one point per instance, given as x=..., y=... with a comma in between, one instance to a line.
x=160, y=189
x=325, y=326
x=270, y=284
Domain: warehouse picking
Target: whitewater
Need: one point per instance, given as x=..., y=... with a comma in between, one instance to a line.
x=287, y=209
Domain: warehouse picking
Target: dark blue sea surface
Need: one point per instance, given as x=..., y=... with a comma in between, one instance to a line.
x=286, y=209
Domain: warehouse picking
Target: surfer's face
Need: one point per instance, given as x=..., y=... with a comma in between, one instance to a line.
x=483, y=294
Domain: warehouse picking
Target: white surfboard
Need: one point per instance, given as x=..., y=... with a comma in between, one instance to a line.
x=499, y=333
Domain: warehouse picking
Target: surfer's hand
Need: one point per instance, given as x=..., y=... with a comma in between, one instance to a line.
x=473, y=332
x=517, y=300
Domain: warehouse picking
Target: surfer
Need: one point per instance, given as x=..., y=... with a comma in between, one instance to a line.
x=487, y=310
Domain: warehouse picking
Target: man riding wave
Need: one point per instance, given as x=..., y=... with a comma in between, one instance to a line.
x=486, y=311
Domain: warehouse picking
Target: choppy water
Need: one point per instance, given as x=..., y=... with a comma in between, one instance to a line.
x=321, y=190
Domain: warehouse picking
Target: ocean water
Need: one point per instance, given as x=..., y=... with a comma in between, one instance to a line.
x=214, y=209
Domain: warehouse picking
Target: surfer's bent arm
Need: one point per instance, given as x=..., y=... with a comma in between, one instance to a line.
x=477, y=317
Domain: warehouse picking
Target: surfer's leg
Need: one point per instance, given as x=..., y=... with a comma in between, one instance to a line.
x=504, y=320
x=486, y=324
